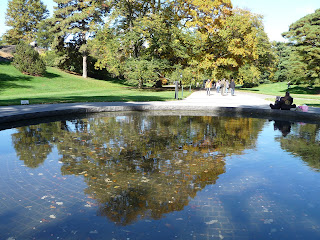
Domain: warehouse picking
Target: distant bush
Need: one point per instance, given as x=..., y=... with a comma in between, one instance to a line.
x=250, y=85
x=28, y=61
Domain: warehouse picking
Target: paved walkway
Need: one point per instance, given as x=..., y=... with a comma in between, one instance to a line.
x=241, y=102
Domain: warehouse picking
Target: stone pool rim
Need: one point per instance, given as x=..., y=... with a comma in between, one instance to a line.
x=29, y=112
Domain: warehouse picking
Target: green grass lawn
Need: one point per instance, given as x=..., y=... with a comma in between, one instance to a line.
x=301, y=94
x=57, y=87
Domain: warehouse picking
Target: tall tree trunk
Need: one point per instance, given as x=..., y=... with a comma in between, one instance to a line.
x=84, y=66
x=140, y=85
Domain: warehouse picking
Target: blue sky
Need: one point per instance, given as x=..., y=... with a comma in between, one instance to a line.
x=278, y=14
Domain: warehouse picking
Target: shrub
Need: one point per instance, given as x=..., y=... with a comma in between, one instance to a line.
x=50, y=58
x=28, y=61
x=249, y=85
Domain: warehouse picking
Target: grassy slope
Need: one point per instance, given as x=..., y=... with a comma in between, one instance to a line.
x=57, y=86
x=301, y=94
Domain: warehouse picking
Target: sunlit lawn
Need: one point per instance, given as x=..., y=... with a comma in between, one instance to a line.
x=57, y=86
x=302, y=94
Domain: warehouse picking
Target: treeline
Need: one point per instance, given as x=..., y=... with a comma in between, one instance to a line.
x=143, y=41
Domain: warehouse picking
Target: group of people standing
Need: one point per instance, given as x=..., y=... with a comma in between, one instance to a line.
x=222, y=86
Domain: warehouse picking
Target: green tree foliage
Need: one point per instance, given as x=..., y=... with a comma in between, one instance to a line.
x=141, y=71
x=146, y=30
x=75, y=21
x=23, y=16
x=199, y=38
x=304, y=35
x=248, y=75
x=291, y=67
x=28, y=61
x=2, y=41
x=44, y=37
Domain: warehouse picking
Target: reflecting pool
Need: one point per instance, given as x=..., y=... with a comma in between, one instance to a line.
x=141, y=176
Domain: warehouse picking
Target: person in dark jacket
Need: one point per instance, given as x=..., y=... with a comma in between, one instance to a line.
x=284, y=103
x=232, y=86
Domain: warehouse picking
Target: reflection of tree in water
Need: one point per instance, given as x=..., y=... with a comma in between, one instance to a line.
x=32, y=144
x=304, y=142
x=143, y=167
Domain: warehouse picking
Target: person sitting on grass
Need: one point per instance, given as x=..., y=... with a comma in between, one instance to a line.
x=284, y=103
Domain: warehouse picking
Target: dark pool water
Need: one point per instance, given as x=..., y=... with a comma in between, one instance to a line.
x=137, y=176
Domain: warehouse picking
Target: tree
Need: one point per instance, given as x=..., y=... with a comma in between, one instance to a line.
x=304, y=35
x=148, y=31
x=28, y=61
x=23, y=16
x=238, y=48
x=290, y=67
x=2, y=41
x=204, y=38
x=44, y=38
x=207, y=16
x=76, y=20
x=138, y=71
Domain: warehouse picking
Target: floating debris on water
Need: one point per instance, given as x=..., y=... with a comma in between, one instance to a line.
x=107, y=180
x=268, y=221
x=211, y=222
x=144, y=179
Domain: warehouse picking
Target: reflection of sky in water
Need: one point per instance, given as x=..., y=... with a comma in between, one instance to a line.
x=265, y=192
x=6, y=145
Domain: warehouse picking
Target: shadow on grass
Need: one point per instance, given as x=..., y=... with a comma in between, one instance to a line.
x=50, y=75
x=5, y=62
x=7, y=81
x=75, y=99
x=315, y=105
x=248, y=89
x=303, y=90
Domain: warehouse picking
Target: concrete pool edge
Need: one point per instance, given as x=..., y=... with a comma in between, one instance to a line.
x=22, y=113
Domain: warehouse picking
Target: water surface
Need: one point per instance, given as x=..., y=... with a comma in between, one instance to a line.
x=136, y=176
